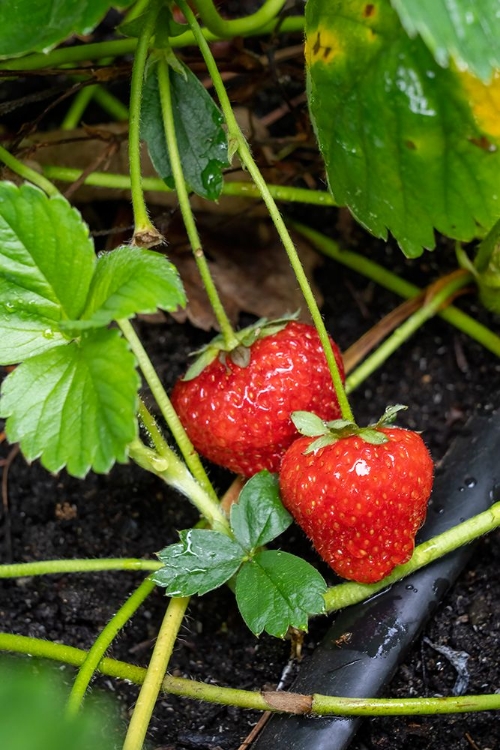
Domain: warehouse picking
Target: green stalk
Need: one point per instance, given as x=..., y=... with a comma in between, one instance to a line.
x=169, y=414
x=145, y=233
x=174, y=472
x=393, y=283
x=101, y=645
x=237, y=139
x=156, y=672
x=120, y=47
x=27, y=173
x=345, y=594
x=404, y=332
x=238, y=189
x=111, y=104
x=80, y=102
x=226, y=29
x=230, y=339
x=486, y=248
x=52, y=567
x=322, y=705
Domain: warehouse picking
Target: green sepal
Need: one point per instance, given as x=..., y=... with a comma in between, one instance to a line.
x=309, y=424
x=321, y=442
x=239, y=355
x=390, y=415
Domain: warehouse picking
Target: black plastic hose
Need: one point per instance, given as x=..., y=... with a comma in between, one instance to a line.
x=382, y=628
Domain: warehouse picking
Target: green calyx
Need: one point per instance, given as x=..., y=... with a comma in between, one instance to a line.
x=239, y=354
x=327, y=433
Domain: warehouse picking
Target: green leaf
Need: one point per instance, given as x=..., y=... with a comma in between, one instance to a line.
x=32, y=715
x=408, y=146
x=37, y=25
x=259, y=516
x=46, y=264
x=467, y=31
x=74, y=406
x=276, y=590
x=203, y=561
x=127, y=281
x=199, y=129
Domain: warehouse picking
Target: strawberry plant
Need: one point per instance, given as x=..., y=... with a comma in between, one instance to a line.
x=403, y=103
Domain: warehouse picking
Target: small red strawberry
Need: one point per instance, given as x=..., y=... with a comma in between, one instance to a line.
x=236, y=406
x=360, y=495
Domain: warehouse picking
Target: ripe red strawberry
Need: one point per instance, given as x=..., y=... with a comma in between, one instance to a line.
x=237, y=410
x=360, y=503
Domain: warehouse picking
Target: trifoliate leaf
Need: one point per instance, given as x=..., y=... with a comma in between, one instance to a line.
x=466, y=32
x=37, y=26
x=127, y=281
x=203, y=561
x=259, y=516
x=276, y=591
x=74, y=406
x=408, y=146
x=199, y=130
x=46, y=264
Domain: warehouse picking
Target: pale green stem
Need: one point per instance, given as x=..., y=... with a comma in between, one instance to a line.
x=153, y=431
x=52, y=567
x=224, y=28
x=27, y=173
x=119, y=47
x=399, y=286
x=155, y=184
x=169, y=414
x=404, y=331
x=230, y=339
x=345, y=594
x=101, y=645
x=322, y=705
x=236, y=138
x=141, y=218
x=80, y=102
x=175, y=473
x=155, y=675
x=111, y=104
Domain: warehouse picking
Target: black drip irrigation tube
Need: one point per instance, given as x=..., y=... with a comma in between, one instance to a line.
x=376, y=634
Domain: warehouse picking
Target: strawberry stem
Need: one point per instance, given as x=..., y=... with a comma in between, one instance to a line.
x=230, y=339
x=27, y=173
x=237, y=142
x=144, y=231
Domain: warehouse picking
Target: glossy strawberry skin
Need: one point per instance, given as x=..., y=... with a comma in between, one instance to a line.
x=360, y=504
x=239, y=417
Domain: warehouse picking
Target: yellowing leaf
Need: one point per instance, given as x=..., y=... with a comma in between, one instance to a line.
x=484, y=100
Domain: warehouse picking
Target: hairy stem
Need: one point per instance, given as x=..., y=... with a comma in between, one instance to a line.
x=143, y=226
x=240, y=144
x=230, y=340
x=53, y=567
x=345, y=594
x=169, y=414
x=224, y=28
x=322, y=705
x=155, y=674
x=27, y=173
x=101, y=645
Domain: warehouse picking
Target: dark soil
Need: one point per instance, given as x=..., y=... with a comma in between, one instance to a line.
x=442, y=375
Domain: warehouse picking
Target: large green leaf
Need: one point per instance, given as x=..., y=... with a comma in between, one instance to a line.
x=276, y=590
x=37, y=25
x=199, y=130
x=409, y=146
x=32, y=700
x=131, y=280
x=467, y=31
x=46, y=264
x=259, y=515
x=74, y=406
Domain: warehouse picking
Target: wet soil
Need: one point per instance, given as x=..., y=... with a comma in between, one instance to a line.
x=441, y=374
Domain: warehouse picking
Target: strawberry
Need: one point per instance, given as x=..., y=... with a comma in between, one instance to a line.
x=236, y=406
x=360, y=495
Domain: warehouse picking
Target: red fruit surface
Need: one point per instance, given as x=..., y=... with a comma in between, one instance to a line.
x=239, y=417
x=360, y=504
